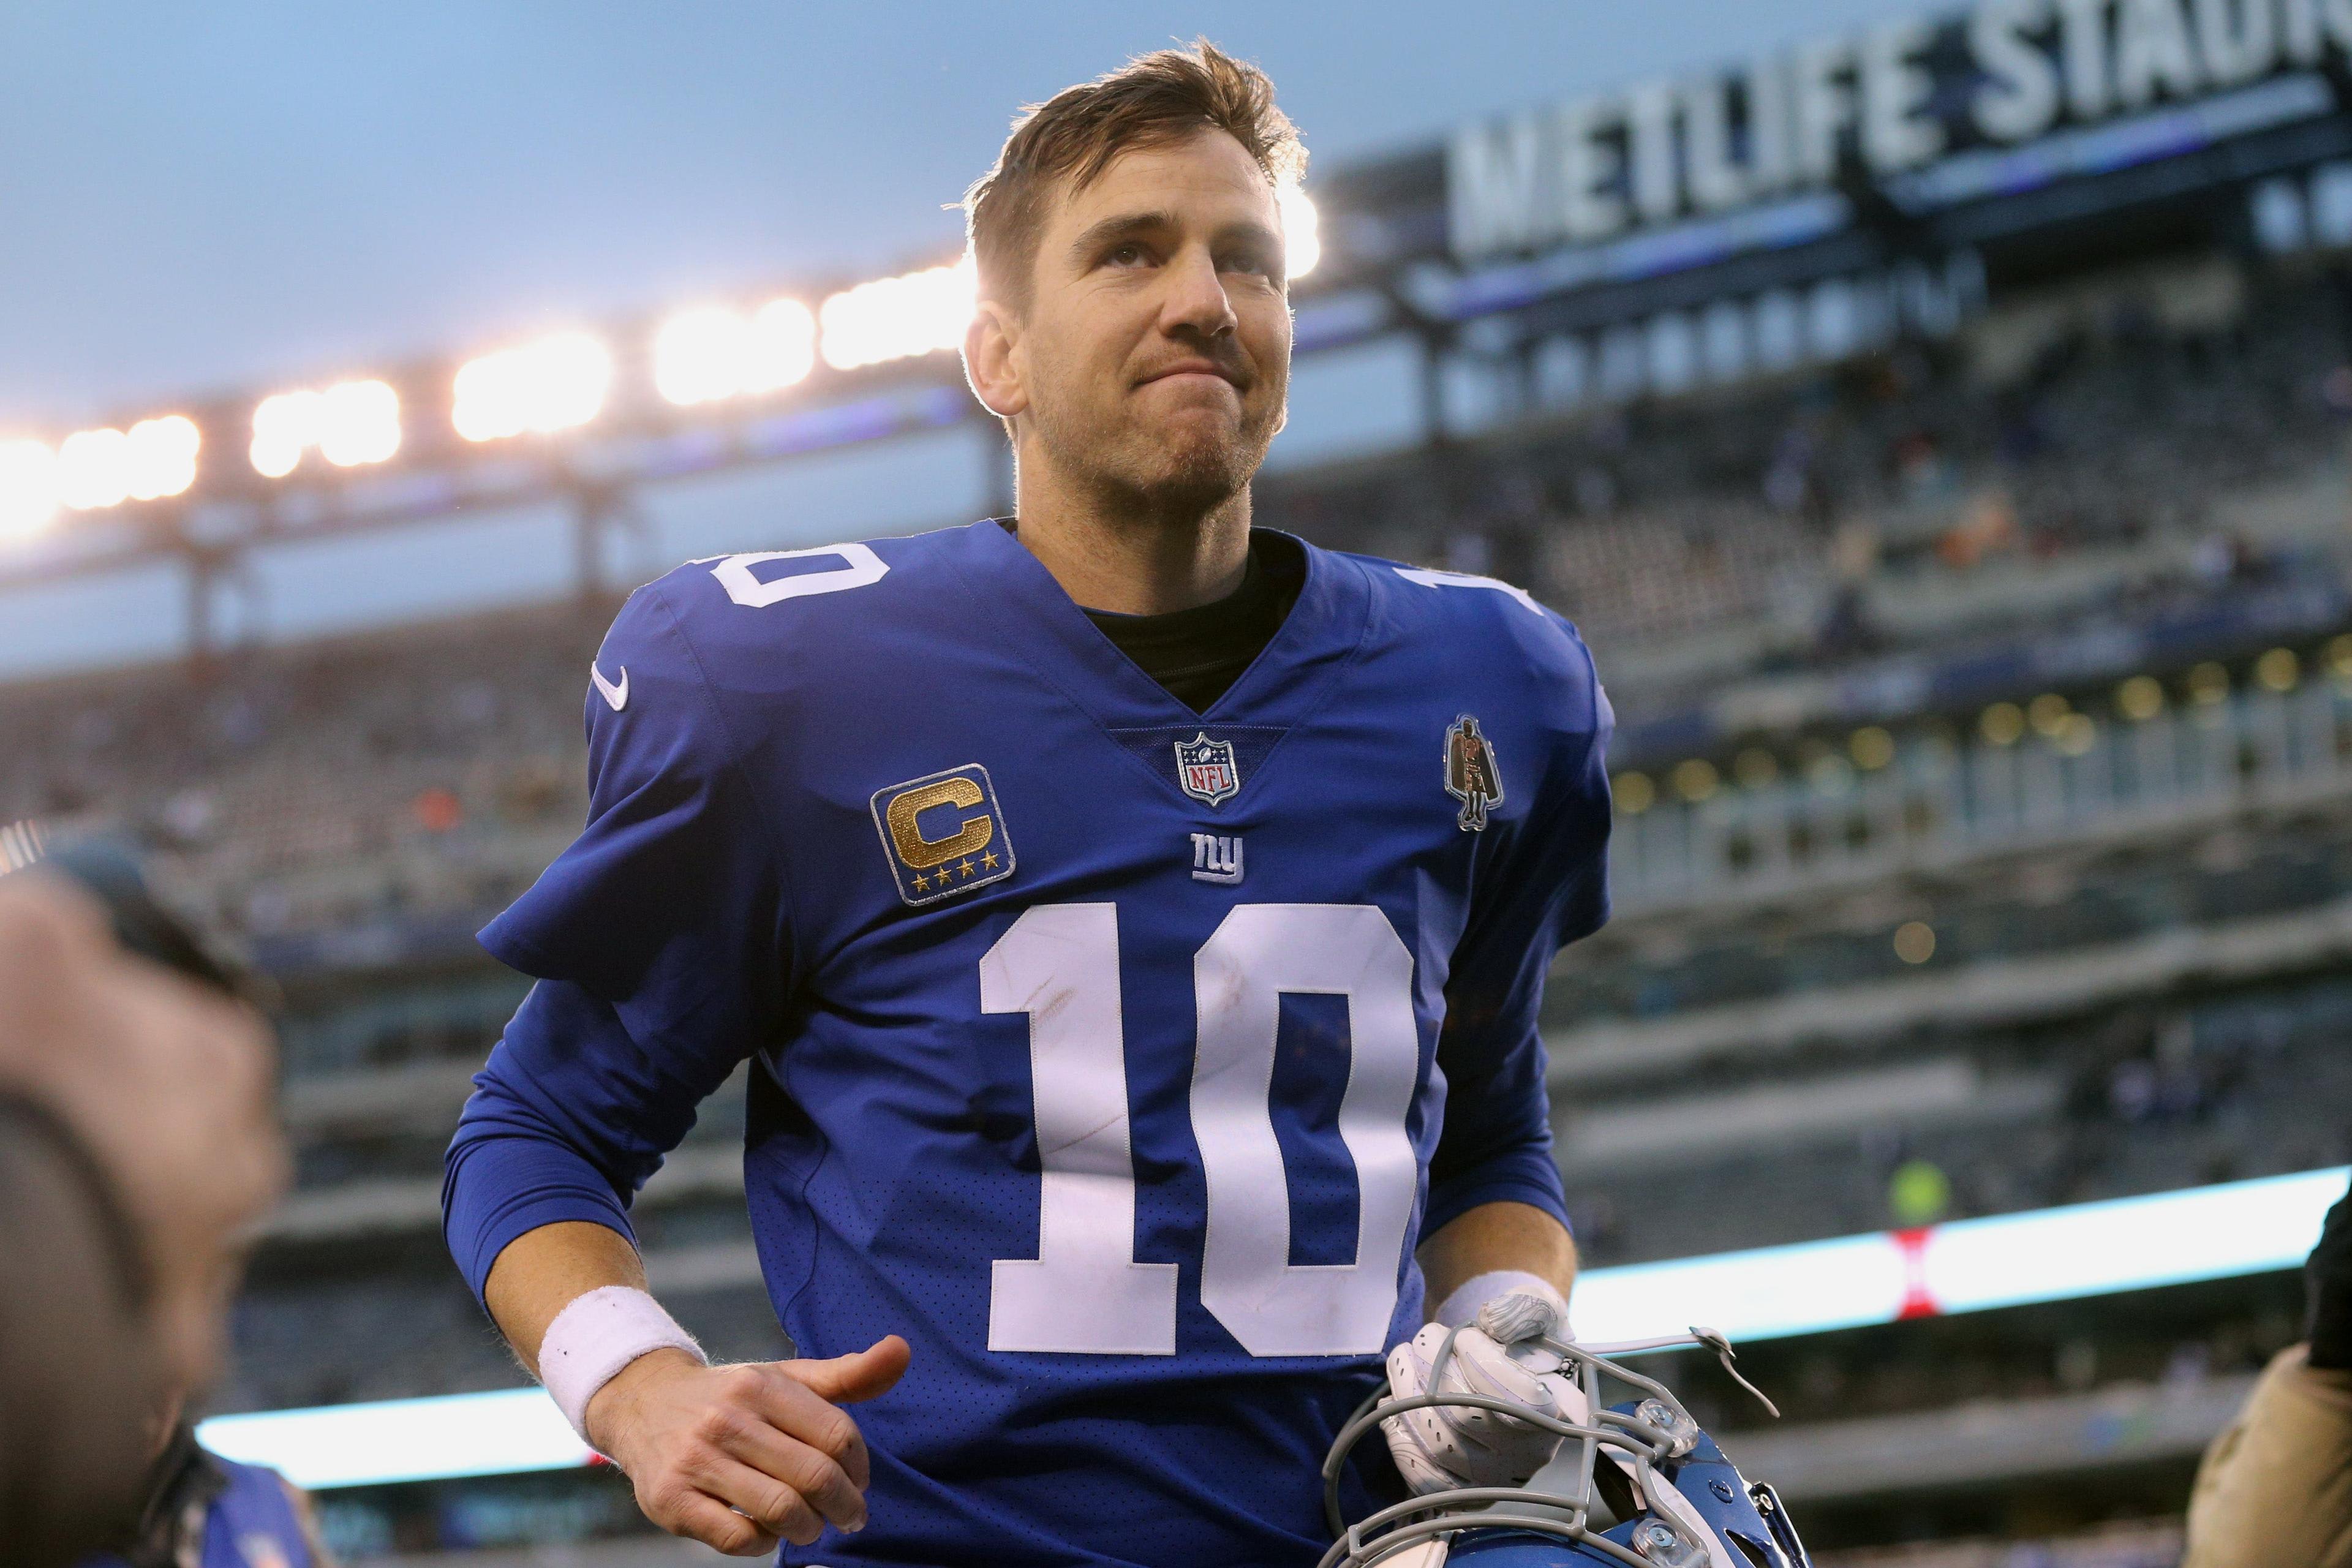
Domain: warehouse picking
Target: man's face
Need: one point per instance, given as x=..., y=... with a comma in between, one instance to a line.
x=1155, y=351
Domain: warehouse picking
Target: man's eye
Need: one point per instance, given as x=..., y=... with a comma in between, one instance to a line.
x=1129, y=254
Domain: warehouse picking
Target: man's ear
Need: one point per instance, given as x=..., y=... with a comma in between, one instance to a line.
x=990, y=362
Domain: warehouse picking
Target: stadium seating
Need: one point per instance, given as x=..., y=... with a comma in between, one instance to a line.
x=1984, y=837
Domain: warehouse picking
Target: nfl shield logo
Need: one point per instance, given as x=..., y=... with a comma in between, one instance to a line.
x=1206, y=769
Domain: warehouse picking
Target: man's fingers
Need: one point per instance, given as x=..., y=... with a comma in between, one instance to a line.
x=717, y=1526
x=762, y=1441
x=847, y=1379
x=768, y=1502
x=815, y=1476
x=791, y=1409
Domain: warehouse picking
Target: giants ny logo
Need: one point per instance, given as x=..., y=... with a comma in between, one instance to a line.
x=1216, y=858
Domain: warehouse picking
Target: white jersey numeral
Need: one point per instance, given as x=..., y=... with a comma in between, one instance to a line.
x=1248, y=1280
x=1429, y=578
x=860, y=565
x=1084, y=1292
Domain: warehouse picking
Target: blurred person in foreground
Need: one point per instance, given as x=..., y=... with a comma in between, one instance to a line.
x=200, y=1510
x=2275, y=1489
x=136, y=1145
x=1041, y=868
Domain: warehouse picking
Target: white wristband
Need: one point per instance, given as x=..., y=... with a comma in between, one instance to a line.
x=594, y=1337
x=1462, y=1305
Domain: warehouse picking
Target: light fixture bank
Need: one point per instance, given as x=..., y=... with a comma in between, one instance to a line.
x=709, y=354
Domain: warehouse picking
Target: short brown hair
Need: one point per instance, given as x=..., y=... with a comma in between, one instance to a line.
x=1153, y=100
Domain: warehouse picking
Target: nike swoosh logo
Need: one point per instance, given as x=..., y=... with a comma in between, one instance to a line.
x=616, y=697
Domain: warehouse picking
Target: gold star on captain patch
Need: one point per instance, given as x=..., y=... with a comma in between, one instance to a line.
x=922, y=883
x=965, y=868
x=989, y=860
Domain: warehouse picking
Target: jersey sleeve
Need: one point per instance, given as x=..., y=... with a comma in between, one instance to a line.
x=661, y=943
x=1548, y=886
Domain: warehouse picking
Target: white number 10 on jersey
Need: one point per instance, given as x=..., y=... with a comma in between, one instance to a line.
x=1084, y=1292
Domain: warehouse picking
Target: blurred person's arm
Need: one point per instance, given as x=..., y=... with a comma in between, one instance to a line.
x=2277, y=1486
x=167, y=1082
x=79, y=1372
x=135, y=1143
x=2327, y=1291
x=663, y=945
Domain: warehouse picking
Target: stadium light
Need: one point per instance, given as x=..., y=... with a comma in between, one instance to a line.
x=1302, y=230
x=511, y=1432
x=283, y=425
x=898, y=318
x=94, y=469
x=161, y=457
x=552, y=385
x=783, y=347
x=1971, y=1265
x=698, y=356
x=359, y=423
x=29, y=488
x=99, y=468
x=2221, y=1232
x=350, y=424
x=705, y=356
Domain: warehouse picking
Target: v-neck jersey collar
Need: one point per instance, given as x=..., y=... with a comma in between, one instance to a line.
x=1050, y=631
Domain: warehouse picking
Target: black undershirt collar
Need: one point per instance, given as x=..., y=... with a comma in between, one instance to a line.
x=1196, y=655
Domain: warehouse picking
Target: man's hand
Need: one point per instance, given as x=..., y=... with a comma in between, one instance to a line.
x=169, y=1084
x=736, y=1456
x=1442, y=1447
x=733, y=1456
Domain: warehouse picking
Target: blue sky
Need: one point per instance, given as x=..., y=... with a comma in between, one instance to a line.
x=240, y=195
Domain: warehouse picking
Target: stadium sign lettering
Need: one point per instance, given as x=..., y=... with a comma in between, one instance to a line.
x=1897, y=96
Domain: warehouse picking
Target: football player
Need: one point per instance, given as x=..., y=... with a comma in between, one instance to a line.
x=1135, y=923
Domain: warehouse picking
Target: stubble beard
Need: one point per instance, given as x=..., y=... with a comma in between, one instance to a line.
x=1138, y=473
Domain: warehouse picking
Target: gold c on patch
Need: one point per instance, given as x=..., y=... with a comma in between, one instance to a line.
x=943, y=834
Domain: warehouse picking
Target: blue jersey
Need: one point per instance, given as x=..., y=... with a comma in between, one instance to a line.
x=250, y=1522
x=1115, y=1055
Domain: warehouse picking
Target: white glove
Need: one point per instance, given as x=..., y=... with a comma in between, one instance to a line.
x=1443, y=1446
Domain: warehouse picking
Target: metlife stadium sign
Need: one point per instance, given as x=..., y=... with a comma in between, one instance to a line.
x=1886, y=103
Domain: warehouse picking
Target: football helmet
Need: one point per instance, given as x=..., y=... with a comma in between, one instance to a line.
x=1633, y=1484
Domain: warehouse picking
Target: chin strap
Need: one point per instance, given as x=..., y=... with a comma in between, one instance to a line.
x=1714, y=1340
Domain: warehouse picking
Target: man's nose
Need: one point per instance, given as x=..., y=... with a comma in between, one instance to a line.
x=1196, y=303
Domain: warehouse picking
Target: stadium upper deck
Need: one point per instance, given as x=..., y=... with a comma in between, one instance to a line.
x=1883, y=635
x=1962, y=529
x=356, y=807
x=1766, y=577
